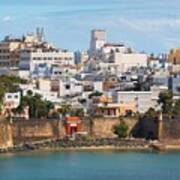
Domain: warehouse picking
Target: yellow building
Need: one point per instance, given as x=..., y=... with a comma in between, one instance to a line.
x=174, y=59
x=107, y=108
x=174, y=56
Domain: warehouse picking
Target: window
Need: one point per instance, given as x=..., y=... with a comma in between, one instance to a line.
x=67, y=86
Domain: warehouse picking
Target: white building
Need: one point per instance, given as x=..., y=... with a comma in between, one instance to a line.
x=140, y=100
x=31, y=60
x=70, y=88
x=125, y=61
x=12, y=100
x=109, y=48
x=43, y=87
x=98, y=39
x=98, y=86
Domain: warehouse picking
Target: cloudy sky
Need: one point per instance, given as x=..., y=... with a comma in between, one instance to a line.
x=151, y=26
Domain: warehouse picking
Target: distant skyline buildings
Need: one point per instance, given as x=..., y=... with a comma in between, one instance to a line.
x=98, y=39
x=151, y=26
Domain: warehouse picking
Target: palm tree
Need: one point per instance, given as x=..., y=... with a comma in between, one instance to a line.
x=65, y=109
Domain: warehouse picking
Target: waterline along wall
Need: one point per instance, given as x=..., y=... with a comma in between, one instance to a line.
x=36, y=130
x=27, y=131
x=167, y=130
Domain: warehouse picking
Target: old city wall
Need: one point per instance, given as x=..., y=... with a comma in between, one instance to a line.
x=24, y=131
x=37, y=130
x=169, y=130
x=6, y=139
x=103, y=127
x=27, y=131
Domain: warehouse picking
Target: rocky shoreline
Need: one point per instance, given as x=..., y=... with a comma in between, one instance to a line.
x=90, y=145
x=78, y=145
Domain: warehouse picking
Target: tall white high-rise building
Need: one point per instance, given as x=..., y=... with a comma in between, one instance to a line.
x=98, y=39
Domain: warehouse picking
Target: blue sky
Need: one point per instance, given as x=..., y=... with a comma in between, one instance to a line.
x=151, y=26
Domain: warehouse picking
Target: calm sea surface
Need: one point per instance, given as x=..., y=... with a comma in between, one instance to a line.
x=90, y=166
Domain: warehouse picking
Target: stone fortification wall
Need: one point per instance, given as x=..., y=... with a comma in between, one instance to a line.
x=6, y=139
x=103, y=127
x=24, y=131
x=170, y=129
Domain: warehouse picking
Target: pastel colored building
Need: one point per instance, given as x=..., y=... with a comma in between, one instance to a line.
x=174, y=56
x=106, y=108
x=174, y=60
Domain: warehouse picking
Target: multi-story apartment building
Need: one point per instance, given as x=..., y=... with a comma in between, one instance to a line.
x=125, y=61
x=9, y=52
x=174, y=56
x=32, y=59
x=10, y=48
x=98, y=39
x=140, y=100
x=174, y=60
x=81, y=57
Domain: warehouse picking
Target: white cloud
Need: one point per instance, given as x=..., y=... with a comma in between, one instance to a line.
x=145, y=25
x=7, y=18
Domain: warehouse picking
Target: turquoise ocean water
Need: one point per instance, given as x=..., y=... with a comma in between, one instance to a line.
x=90, y=166
x=153, y=26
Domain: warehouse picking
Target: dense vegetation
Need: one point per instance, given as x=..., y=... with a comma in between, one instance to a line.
x=121, y=129
x=169, y=106
x=38, y=108
x=95, y=94
x=9, y=84
x=67, y=109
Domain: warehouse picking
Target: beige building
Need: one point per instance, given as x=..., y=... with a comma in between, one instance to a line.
x=174, y=60
x=10, y=49
x=174, y=56
x=9, y=52
x=124, y=61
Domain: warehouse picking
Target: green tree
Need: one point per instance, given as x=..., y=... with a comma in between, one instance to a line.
x=176, y=108
x=96, y=93
x=65, y=109
x=166, y=100
x=77, y=112
x=121, y=129
x=9, y=84
x=38, y=108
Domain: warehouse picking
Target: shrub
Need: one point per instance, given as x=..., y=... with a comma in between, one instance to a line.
x=121, y=129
